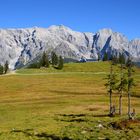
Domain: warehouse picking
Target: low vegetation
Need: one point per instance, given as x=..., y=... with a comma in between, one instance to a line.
x=68, y=104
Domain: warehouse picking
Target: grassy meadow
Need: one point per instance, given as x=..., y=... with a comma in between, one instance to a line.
x=68, y=104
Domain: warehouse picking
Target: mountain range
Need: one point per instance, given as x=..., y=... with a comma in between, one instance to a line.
x=21, y=46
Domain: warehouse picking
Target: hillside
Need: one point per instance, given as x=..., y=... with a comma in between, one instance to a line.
x=72, y=103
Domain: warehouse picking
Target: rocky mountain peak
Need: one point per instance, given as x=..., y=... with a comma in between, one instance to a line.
x=20, y=46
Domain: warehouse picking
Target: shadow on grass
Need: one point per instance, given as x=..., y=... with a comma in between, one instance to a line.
x=101, y=115
x=73, y=115
x=70, y=92
x=40, y=135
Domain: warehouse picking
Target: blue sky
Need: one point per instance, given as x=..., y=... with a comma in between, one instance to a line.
x=81, y=15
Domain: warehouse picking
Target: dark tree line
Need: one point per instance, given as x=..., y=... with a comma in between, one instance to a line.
x=4, y=69
x=45, y=61
x=114, y=58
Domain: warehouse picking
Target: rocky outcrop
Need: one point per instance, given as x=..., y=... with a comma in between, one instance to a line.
x=20, y=46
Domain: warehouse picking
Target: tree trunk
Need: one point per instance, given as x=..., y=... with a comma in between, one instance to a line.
x=110, y=110
x=129, y=88
x=129, y=103
x=120, y=98
x=120, y=105
x=110, y=91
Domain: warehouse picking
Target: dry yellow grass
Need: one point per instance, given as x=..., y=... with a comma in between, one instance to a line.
x=35, y=101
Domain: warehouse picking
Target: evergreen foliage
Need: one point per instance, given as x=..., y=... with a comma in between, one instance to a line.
x=56, y=62
x=105, y=58
x=1, y=69
x=61, y=62
x=6, y=67
x=54, y=59
x=44, y=62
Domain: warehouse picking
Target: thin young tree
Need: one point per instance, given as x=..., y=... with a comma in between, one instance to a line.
x=130, y=81
x=111, y=86
x=122, y=86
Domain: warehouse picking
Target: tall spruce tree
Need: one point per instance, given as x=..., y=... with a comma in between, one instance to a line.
x=105, y=57
x=47, y=61
x=1, y=69
x=54, y=59
x=60, y=65
x=99, y=56
x=43, y=59
x=44, y=62
x=6, y=67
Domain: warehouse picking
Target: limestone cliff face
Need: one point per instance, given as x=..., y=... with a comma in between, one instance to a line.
x=20, y=46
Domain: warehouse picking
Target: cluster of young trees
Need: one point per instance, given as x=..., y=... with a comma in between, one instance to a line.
x=46, y=60
x=4, y=69
x=122, y=85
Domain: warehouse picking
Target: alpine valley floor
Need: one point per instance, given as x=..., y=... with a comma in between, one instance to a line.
x=68, y=104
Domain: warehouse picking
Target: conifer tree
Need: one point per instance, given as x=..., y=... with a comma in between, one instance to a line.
x=99, y=56
x=1, y=69
x=54, y=59
x=43, y=59
x=6, y=67
x=44, y=62
x=111, y=86
x=105, y=58
x=130, y=81
x=121, y=58
x=47, y=63
x=60, y=65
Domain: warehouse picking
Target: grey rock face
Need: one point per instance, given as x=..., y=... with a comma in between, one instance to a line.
x=134, y=49
x=20, y=46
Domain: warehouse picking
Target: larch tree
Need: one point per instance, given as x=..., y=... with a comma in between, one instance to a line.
x=130, y=84
x=111, y=86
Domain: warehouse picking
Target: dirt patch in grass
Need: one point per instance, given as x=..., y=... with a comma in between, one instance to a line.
x=125, y=124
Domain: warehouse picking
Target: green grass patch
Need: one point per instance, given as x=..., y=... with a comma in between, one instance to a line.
x=72, y=103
